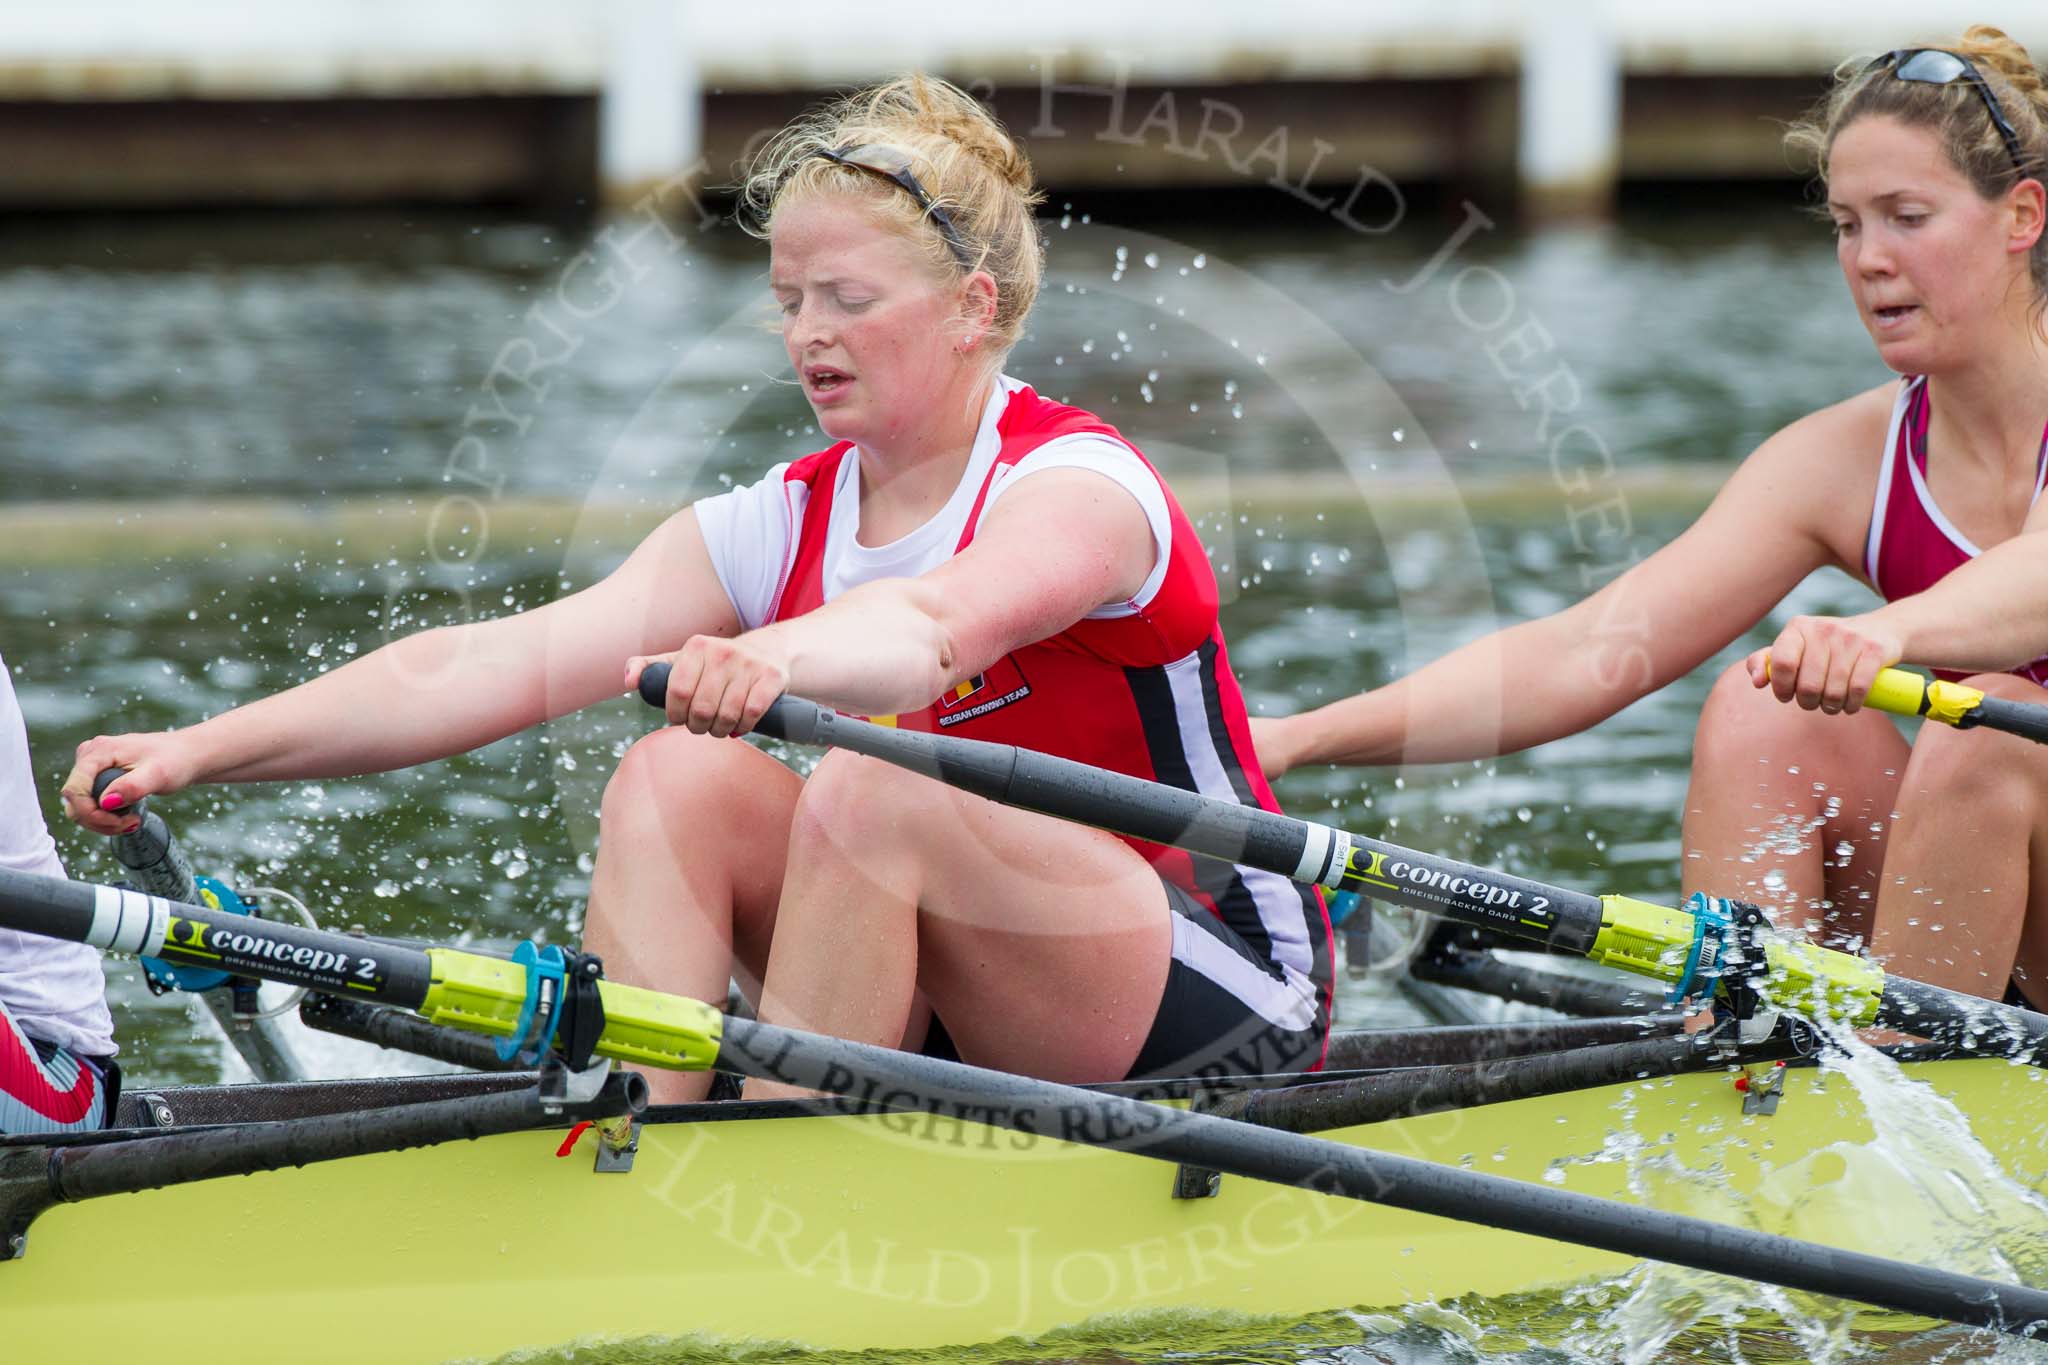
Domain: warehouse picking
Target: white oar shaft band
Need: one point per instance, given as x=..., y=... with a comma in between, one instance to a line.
x=1325, y=854
x=128, y=921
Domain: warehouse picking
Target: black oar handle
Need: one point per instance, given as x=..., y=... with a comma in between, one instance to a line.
x=654, y=685
x=150, y=854
x=787, y=717
x=107, y=778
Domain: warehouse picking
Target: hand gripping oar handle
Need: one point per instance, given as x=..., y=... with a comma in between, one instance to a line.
x=159, y=867
x=149, y=852
x=1666, y=944
x=1908, y=694
x=485, y=995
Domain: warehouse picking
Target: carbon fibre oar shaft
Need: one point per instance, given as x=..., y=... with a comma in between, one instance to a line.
x=450, y=987
x=1651, y=940
x=1318, y=1106
x=901, y=1079
x=1303, y=850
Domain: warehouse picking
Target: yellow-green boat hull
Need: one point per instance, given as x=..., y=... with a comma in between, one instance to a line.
x=908, y=1231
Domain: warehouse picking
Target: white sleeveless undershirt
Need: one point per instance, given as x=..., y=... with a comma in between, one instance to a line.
x=55, y=991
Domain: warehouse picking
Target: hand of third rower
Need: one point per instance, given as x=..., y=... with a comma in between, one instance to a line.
x=1826, y=663
x=719, y=686
x=156, y=762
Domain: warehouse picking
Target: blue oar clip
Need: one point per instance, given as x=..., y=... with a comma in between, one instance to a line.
x=1713, y=934
x=535, y=1033
x=1342, y=905
x=176, y=976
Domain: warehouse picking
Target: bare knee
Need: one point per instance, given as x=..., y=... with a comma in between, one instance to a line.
x=862, y=821
x=692, y=822
x=671, y=770
x=1976, y=770
x=1940, y=765
x=1744, y=728
x=1742, y=725
x=857, y=803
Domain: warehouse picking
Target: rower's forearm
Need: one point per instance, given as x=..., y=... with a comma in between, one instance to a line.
x=874, y=651
x=1512, y=690
x=425, y=697
x=1986, y=617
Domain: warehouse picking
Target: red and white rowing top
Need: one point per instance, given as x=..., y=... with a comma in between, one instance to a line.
x=1912, y=545
x=1141, y=687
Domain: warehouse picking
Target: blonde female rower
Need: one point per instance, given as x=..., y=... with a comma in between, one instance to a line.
x=1928, y=489
x=966, y=555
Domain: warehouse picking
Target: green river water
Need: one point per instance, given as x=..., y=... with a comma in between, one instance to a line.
x=236, y=452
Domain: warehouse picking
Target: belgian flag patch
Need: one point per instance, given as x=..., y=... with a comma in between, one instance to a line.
x=1001, y=684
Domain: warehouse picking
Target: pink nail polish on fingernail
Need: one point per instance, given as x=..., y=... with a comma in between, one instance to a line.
x=111, y=801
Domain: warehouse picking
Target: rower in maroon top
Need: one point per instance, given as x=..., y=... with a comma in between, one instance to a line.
x=1913, y=545
x=1928, y=854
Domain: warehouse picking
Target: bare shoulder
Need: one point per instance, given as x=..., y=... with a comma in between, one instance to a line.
x=1850, y=432
x=1820, y=473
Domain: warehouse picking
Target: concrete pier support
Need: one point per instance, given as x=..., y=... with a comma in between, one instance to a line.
x=651, y=106
x=1570, y=153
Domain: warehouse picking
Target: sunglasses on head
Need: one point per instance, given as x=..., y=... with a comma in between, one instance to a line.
x=1938, y=66
x=893, y=165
